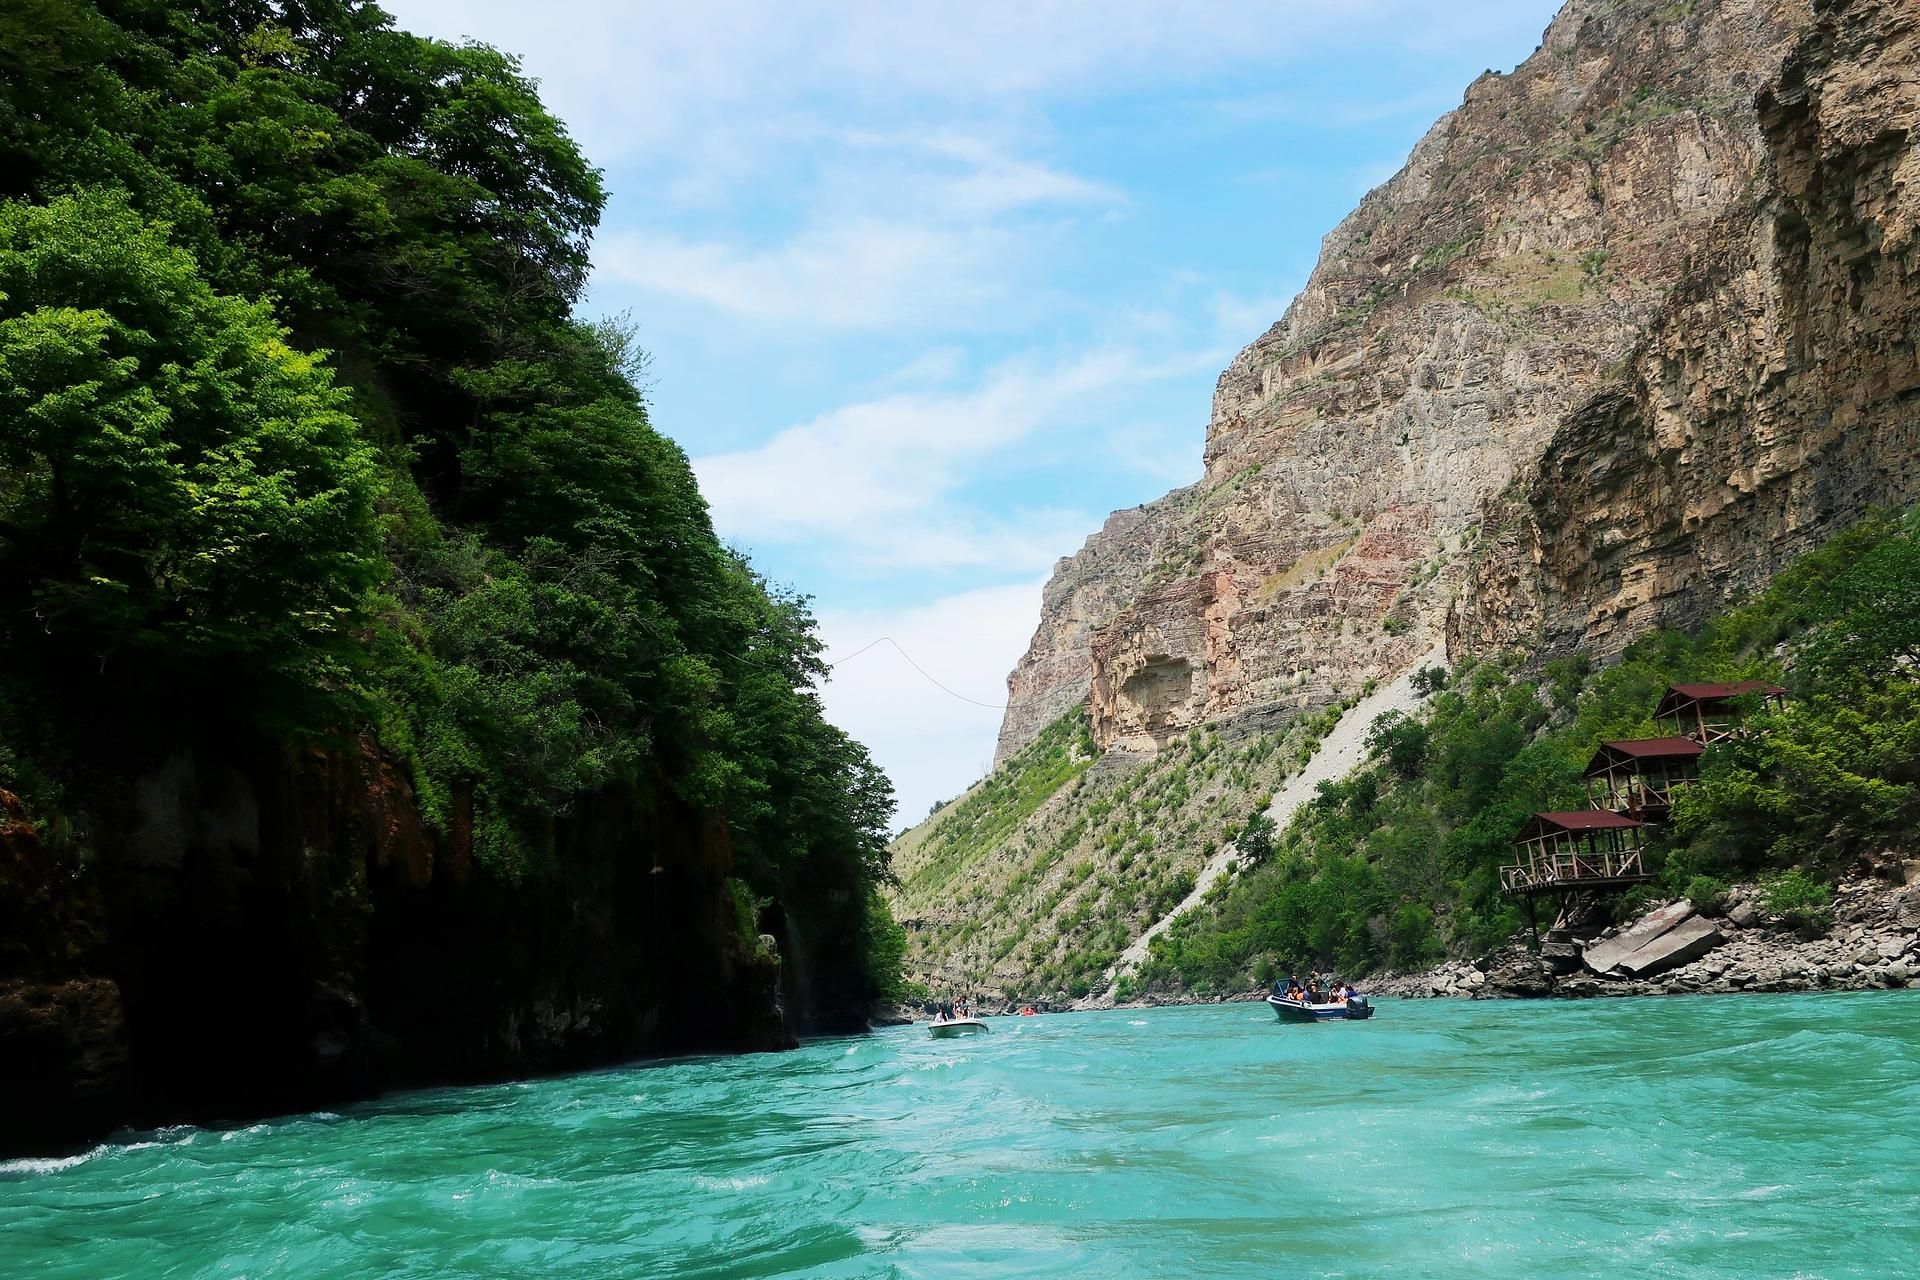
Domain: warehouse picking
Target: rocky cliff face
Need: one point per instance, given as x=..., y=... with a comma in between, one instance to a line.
x=1773, y=399
x=1633, y=326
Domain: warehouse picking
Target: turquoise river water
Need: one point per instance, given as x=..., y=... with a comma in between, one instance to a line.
x=1746, y=1136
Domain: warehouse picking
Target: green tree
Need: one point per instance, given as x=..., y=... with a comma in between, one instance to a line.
x=184, y=489
x=1254, y=844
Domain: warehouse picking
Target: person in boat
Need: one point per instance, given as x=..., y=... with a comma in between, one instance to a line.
x=1348, y=994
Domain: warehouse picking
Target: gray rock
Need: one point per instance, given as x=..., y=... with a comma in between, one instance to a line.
x=1743, y=915
x=1687, y=941
x=1603, y=957
x=1560, y=957
x=1907, y=910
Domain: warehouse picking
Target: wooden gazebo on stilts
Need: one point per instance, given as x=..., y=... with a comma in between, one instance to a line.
x=1709, y=712
x=1586, y=848
x=1563, y=855
x=1630, y=783
x=1637, y=777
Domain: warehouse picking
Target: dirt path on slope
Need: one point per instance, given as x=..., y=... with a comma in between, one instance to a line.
x=1341, y=751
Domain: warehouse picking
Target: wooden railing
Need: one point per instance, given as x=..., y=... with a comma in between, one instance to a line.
x=1704, y=731
x=1642, y=793
x=1569, y=870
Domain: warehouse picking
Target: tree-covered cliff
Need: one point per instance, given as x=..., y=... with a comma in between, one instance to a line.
x=376, y=699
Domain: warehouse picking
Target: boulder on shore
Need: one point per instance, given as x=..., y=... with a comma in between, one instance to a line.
x=1687, y=941
x=1604, y=956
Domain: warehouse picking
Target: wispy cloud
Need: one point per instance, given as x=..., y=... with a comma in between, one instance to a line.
x=860, y=274
x=902, y=230
x=933, y=742
x=881, y=479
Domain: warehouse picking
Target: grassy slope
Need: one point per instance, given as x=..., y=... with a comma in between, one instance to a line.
x=1036, y=879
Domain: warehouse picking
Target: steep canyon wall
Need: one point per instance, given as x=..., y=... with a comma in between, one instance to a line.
x=1632, y=327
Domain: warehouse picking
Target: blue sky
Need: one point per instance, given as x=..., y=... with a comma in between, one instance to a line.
x=932, y=288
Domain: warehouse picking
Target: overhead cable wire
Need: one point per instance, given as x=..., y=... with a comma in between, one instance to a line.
x=930, y=678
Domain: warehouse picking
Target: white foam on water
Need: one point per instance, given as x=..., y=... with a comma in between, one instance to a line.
x=730, y=1184
x=48, y=1164
x=178, y=1135
x=247, y=1132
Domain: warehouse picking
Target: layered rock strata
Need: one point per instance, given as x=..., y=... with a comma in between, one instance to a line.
x=1775, y=398
x=1632, y=328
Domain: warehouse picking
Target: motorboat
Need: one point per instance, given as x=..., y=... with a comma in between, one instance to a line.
x=947, y=1028
x=1306, y=1011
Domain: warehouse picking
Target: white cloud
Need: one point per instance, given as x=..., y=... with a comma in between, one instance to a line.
x=933, y=367
x=860, y=274
x=718, y=84
x=902, y=230
x=879, y=478
x=643, y=77
x=932, y=744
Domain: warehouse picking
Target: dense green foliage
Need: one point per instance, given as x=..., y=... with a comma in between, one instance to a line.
x=299, y=431
x=1397, y=864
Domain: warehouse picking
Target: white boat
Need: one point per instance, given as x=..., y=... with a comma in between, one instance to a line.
x=1303, y=1011
x=943, y=1028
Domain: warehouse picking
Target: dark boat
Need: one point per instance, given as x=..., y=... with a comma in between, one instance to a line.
x=1302, y=1011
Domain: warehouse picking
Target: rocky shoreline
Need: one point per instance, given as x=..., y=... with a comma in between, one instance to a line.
x=1873, y=944
x=1674, y=949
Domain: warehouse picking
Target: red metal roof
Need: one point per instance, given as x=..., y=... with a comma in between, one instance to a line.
x=1684, y=693
x=1583, y=819
x=1611, y=753
x=1578, y=820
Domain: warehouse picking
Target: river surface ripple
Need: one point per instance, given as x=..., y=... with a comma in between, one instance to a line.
x=1746, y=1136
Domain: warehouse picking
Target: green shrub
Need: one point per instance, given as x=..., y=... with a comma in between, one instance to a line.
x=1708, y=895
x=1804, y=903
x=1255, y=841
